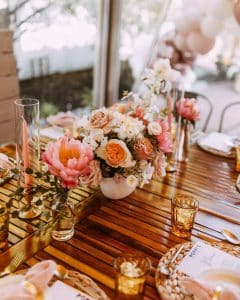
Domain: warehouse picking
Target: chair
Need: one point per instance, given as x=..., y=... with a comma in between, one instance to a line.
x=233, y=111
x=205, y=106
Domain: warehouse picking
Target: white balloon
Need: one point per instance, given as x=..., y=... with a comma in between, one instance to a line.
x=211, y=26
x=198, y=43
x=189, y=20
x=220, y=9
x=180, y=42
x=201, y=5
x=231, y=25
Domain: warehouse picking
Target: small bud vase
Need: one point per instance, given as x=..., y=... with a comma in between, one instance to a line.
x=183, y=141
x=63, y=222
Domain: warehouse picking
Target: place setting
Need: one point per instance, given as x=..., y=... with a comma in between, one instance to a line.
x=200, y=270
x=48, y=281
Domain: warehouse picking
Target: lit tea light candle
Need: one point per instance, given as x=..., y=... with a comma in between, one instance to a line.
x=131, y=279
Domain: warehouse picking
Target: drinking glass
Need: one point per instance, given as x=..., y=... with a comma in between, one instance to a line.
x=27, y=152
x=184, y=209
x=131, y=272
x=4, y=224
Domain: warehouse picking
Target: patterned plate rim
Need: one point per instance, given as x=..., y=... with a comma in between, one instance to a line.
x=80, y=282
x=171, y=288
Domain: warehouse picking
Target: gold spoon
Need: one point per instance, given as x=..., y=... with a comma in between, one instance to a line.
x=231, y=237
x=217, y=293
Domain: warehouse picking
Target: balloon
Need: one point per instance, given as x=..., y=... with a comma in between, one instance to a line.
x=220, y=9
x=198, y=43
x=189, y=20
x=236, y=11
x=231, y=25
x=211, y=26
x=180, y=42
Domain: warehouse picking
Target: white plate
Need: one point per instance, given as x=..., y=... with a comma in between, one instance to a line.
x=221, y=277
x=218, y=143
x=17, y=279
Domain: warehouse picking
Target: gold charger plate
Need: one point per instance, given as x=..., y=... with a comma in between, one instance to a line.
x=170, y=288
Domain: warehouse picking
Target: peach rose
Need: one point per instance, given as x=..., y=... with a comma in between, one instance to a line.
x=101, y=119
x=187, y=109
x=143, y=149
x=94, y=177
x=68, y=159
x=116, y=154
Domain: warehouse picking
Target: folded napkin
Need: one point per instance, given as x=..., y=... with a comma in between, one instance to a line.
x=203, y=290
x=62, y=119
x=35, y=281
x=217, y=141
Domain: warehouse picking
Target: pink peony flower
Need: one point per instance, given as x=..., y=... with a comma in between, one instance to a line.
x=68, y=159
x=187, y=109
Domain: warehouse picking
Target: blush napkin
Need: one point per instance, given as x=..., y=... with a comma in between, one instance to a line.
x=39, y=276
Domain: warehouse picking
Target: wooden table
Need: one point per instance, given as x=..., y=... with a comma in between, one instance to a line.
x=141, y=222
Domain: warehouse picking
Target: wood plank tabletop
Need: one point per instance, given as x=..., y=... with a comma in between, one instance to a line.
x=141, y=222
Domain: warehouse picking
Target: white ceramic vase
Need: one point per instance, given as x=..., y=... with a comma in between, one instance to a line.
x=113, y=190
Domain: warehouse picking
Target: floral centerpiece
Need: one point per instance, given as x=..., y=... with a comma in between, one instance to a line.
x=128, y=147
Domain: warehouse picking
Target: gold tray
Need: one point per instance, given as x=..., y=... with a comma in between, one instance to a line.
x=170, y=288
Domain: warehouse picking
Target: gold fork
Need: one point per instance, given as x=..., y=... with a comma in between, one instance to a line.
x=16, y=261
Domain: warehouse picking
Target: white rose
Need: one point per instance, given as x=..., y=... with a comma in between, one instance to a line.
x=154, y=128
x=132, y=181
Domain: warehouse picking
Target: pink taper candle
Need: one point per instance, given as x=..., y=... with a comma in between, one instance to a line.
x=26, y=155
x=169, y=108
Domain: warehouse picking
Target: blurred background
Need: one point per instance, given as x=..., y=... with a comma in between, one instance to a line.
x=73, y=54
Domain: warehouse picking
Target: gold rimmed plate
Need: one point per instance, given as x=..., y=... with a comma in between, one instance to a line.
x=170, y=287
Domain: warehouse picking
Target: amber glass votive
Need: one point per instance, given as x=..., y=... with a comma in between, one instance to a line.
x=4, y=224
x=131, y=273
x=184, y=209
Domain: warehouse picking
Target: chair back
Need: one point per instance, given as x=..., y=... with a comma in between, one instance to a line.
x=230, y=118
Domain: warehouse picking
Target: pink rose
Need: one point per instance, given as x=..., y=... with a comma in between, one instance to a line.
x=165, y=142
x=68, y=159
x=164, y=124
x=164, y=139
x=94, y=177
x=187, y=109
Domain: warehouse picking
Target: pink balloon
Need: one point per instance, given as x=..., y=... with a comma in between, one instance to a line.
x=236, y=10
x=199, y=43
